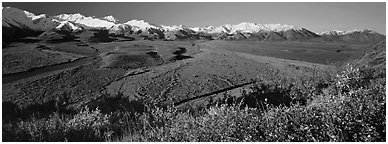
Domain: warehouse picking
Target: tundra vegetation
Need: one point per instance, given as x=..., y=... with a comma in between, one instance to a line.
x=343, y=104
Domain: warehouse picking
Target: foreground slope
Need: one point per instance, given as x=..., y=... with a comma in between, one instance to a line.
x=288, y=100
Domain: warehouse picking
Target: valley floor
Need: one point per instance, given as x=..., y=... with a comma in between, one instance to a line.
x=164, y=72
x=140, y=91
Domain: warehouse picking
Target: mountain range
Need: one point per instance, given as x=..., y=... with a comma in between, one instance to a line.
x=20, y=23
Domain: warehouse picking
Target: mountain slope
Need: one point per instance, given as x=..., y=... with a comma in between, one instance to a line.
x=19, y=23
x=358, y=35
x=374, y=56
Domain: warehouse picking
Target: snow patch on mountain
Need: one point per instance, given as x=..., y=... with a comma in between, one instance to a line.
x=33, y=16
x=141, y=24
x=245, y=27
x=174, y=27
x=87, y=21
x=360, y=30
x=333, y=32
x=111, y=19
x=248, y=27
x=339, y=32
x=220, y=29
x=120, y=27
x=66, y=25
x=203, y=29
x=169, y=28
x=279, y=27
x=196, y=29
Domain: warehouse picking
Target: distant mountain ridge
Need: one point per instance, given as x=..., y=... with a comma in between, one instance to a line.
x=20, y=23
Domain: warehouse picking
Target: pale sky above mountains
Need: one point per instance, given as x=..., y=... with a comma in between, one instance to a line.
x=317, y=17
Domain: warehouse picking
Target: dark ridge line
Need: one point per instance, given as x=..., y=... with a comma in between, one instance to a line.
x=212, y=93
x=122, y=77
x=59, y=50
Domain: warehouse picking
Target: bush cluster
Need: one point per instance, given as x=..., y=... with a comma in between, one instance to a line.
x=350, y=107
x=87, y=125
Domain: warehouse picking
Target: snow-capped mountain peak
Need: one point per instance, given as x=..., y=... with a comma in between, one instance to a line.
x=333, y=32
x=244, y=27
x=248, y=27
x=68, y=26
x=173, y=28
x=360, y=30
x=220, y=29
x=141, y=24
x=87, y=21
x=73, y=17
x=203, y=29
x=195, y=29
x=339, y=32
x=39, y=16
x=169, y=28
x=111, y=19
x=33, y=16
x=29, y=15
x=16, y=21
x=279, y=27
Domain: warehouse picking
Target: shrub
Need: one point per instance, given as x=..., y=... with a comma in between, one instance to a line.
x=356, y=112
x=223, y=123
x=87, y=125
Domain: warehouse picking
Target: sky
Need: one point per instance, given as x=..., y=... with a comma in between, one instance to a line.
x=317, y=17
